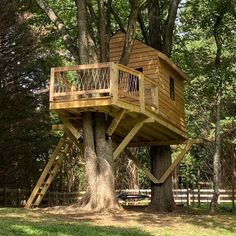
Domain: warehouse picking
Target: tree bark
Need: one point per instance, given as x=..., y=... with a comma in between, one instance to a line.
x=100, y=194
x=217, y=154
x=162, y=197
x=160, y=38
x=155, y=31
x=169, y=27
x=131, y=32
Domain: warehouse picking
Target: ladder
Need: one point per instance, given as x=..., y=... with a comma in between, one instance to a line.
x=49, y=172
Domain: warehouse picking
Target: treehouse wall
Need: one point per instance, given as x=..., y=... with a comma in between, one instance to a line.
x=157, y=68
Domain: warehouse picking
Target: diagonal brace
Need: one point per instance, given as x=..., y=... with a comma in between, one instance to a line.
x=128, y=138
x=143, y=168
x=115, y=122
x=167, y=173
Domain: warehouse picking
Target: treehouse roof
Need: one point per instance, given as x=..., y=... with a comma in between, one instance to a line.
x=161, y=56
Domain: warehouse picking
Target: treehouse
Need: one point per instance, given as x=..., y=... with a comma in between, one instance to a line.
x=145, y=101
x=149, y=90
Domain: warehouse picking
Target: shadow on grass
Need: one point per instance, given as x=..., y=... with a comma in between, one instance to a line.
x=14, y=227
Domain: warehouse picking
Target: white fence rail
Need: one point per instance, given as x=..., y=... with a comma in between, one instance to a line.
x=188, y=196
x=17, y=197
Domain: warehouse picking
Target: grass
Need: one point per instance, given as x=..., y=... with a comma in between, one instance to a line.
x=190, y=221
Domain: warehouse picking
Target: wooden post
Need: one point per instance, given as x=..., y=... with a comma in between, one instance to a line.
x=188, y=195
x=52, y=82
x=141, y=92
x=156, y=95
x=198, y=194
x=114, y=83
x=198, y=187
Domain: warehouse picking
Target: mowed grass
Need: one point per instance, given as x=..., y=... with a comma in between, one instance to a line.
x=190, y=221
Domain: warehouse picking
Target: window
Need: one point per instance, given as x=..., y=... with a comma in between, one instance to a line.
x=172, y=88
x=134, y=82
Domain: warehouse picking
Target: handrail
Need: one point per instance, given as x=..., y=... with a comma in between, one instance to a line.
x=103, y=79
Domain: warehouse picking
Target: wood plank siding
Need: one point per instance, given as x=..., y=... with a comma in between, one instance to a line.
x=159, y=68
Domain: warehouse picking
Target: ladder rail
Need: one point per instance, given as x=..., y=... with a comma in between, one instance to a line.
x=52, y=175
x=45, y=172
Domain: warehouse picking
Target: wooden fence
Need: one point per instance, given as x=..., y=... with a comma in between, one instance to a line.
x=18, y=197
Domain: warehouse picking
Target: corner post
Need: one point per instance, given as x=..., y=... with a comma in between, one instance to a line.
x=52, y=82
x=141, y=92
x=114, y=81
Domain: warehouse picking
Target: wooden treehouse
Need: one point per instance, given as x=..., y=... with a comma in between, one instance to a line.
x=145, y=100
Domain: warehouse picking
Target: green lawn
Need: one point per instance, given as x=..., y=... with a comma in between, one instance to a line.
x=188, y=222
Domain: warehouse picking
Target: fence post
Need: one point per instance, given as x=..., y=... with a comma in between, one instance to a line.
x=219, y=197
x=114, y=81
x=19, y=197
x=198, y=194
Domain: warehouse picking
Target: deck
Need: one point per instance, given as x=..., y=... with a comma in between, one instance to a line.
x=127, y=95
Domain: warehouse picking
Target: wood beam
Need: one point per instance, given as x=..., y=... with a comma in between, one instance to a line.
x=167, y=173
x=128, y=138
x=70, y=126
x=140, y=166
x=164, y=142
x=115, y=122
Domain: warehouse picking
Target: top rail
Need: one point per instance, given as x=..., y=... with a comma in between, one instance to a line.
x=103, y=80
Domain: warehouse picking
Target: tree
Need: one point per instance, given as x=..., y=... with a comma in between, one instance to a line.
x=160, y=37
x=100, y=193
x=25, y=127
x=207, y=43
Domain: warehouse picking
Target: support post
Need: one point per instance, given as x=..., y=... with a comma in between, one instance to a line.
x=52, y=82
x=114, y=74
x=141, y=92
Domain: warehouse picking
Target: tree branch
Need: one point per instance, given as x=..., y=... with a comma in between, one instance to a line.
x=117, y=18
x=143, y=28
x=131, y=32
x=155, y=32
x=102, y=32
x=69, y=43
x=169, y=27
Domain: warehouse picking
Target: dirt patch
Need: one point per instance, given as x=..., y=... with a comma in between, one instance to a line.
x=183, y=222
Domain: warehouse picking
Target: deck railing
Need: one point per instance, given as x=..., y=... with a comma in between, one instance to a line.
x=103, y=80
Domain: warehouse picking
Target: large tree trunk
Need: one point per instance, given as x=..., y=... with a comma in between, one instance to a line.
x=100, y=193
x=160, y=37
x=219, y=79
x=162, y=197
